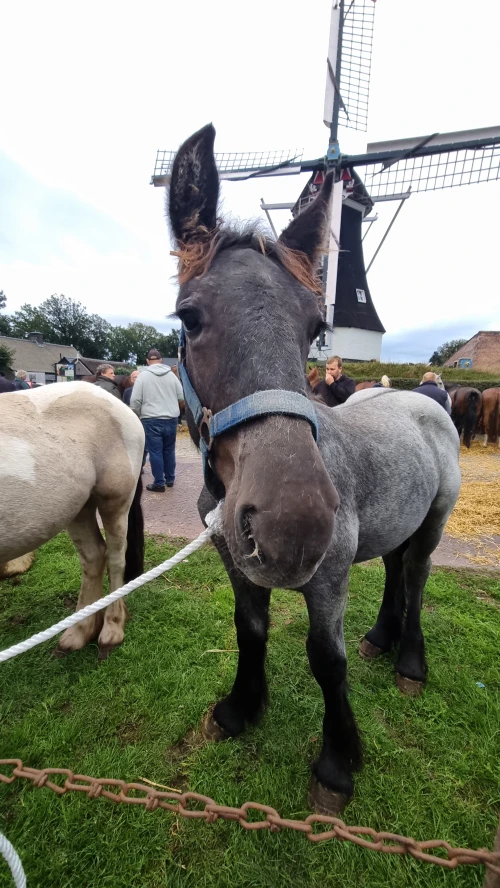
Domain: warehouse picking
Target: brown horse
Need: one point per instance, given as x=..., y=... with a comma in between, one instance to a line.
x=465, y=410
x=489, y=418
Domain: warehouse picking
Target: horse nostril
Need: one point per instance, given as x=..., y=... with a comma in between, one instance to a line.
x=250, y=545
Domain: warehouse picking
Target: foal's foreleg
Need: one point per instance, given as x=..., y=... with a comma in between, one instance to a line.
x=249, y=692
x=386, y=632
x=332, y=783
x=411, y=666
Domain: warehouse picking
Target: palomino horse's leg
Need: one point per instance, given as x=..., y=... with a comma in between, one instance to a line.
x=331, y=783
x=387, y=630
x=249, y=692
x=114, y=519
x=85, y=533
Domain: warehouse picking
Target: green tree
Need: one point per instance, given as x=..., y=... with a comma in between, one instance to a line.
x=445, y=351
x=6, y=359
x=132, y=343
x=63, y=321
x=4, y=319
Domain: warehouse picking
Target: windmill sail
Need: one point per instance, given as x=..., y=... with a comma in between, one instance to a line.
x=231, y=165
x=391, y=170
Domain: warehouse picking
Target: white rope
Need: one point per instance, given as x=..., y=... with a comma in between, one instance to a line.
x=12, y=858
x=214, y=521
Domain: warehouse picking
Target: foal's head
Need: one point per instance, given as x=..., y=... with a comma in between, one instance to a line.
x=250, y=308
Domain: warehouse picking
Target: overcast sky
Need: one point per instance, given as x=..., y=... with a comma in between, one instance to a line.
x=91, y=90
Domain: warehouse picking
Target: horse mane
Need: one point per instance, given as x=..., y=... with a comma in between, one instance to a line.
x=196, y=257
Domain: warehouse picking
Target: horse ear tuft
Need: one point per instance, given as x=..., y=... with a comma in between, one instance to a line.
x=308, y=232
x=194, y=187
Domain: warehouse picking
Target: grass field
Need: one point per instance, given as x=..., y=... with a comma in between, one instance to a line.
x=432, y=765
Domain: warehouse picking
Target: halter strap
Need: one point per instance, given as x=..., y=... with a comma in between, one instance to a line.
x=264, y=403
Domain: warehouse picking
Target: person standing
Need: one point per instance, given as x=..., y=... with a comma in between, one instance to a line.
x=21, y=381
x=105, y=379
x=429, y=386
x=127, y=394
x=156, y=397
x=336, y=388
x=5, y=385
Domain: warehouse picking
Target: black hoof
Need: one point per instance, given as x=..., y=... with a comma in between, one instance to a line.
x=408, y=686
x=326, y=801
x=213, y=731
x=369, y=651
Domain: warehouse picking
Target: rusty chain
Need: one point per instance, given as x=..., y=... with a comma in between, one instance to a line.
x=364, y=836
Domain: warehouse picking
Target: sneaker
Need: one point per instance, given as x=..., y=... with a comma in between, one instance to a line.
x=156, y=488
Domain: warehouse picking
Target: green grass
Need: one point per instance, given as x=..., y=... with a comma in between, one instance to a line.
x=432, y=765
x=375, y=369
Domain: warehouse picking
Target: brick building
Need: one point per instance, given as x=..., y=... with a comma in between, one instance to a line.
x=482, y=352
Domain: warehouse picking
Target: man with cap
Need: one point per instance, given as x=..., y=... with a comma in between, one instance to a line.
x=156, y=397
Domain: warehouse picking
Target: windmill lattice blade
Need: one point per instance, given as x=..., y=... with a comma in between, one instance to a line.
x=432, y=172
x=229, y=164
x=354, y=85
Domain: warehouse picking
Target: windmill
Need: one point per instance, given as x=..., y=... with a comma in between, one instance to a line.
x=388, y=171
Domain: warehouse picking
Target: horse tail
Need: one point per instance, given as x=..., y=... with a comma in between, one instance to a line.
x=471, y=415
x=134, y=556
x=492, y=430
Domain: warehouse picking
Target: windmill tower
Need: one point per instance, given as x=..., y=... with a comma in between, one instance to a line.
x=388, y=171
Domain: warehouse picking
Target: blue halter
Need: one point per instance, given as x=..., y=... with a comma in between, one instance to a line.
x=264, y=403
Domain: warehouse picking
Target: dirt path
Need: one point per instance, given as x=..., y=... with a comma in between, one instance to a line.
x=174, y=513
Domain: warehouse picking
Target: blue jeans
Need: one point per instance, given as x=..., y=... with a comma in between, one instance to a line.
x=160, y=444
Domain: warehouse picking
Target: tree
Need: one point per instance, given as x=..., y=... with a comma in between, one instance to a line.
x=132, y=343
x=445, y=351
x=4, y=320
x=6, y=359
x=65, y=322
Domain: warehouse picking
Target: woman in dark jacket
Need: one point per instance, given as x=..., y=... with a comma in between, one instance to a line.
x=105, y=379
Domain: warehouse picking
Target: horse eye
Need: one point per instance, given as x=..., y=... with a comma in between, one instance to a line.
x=191, y=320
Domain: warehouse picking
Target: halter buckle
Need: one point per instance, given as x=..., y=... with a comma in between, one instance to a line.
x=204, y=427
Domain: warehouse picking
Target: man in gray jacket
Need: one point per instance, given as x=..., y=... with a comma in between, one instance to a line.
x=155, y=399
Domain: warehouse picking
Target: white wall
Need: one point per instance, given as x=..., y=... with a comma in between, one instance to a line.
x=350, y=342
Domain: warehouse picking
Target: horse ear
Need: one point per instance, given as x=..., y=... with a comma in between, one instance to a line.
x=194, y=186
x=308, y=231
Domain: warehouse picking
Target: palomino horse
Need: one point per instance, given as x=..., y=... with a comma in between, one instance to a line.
x=66, y=452
x=382, y=478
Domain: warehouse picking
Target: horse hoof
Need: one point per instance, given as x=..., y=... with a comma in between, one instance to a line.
x=104, y=651
x=369, y=651
x=212, y=731
x=325, y=801
x=408, y=686
x=59, y=653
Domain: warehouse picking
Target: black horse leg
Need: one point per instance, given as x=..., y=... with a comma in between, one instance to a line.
x=411, y=666
x=251, y=616
x=332, y=783
x=386, y=632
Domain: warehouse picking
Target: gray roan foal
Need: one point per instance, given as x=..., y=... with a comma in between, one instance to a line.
x=382, y=480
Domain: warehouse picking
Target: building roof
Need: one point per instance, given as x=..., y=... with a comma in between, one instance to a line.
x=88, y=366
x=40, y=357
x=35, y=357
x=483, y=349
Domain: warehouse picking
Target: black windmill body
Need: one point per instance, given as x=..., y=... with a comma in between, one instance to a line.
x=388, y=171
